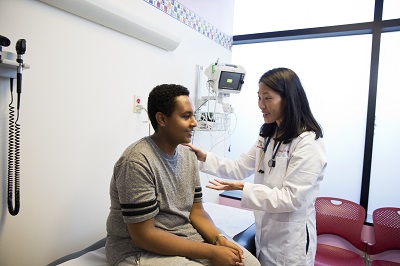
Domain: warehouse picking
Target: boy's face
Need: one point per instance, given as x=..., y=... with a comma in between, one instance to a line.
x=179, y=126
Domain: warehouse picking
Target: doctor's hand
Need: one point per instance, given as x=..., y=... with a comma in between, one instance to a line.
x=225, y=185
x=201, y=155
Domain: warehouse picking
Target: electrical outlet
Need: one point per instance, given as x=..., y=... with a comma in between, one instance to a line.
x=136, y=102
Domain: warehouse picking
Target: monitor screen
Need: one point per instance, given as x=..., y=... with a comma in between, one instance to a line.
x=230, y=81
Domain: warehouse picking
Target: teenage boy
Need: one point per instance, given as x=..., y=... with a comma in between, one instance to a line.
x=156, y=215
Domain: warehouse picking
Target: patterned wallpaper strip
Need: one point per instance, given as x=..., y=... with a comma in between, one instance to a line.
x=189, y=18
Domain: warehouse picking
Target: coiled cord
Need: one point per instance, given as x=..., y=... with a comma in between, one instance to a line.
x=13, y=164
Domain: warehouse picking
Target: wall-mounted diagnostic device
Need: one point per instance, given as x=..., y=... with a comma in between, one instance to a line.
x=11, y=66
x=225, y=78
x=222, y=80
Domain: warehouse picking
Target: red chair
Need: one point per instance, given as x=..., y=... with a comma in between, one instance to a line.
x=387, y=235
x=344, y=219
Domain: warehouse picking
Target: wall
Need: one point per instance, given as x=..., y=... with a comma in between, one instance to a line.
x=217, y=13
x=76, y=119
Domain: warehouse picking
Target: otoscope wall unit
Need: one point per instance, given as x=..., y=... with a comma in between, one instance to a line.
x=9, y=65
x=11, y=68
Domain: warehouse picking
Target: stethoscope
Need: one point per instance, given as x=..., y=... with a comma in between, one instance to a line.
x=271, y=162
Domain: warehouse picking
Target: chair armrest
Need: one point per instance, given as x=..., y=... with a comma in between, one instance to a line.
x=247, y=239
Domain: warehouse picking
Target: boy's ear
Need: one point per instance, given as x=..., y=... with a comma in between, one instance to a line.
x=161, y=118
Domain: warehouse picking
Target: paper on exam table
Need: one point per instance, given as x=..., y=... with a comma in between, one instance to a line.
x=230, y=220
x=95, y=258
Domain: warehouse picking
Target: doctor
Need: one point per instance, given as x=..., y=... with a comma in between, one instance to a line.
x=288, y=162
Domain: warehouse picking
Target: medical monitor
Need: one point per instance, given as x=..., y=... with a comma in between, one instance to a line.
x=225, y=78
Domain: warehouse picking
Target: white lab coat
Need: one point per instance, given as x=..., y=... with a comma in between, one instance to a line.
x=282, y=197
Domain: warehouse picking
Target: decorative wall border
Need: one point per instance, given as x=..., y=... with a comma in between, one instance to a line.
x=192, y=20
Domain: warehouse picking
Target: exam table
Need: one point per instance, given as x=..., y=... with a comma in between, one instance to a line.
x=235, y=223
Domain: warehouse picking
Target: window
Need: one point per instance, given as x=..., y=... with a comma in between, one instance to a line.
x=255, y=16
x=340, y=76
x=391, y=9
x=338, y=97
x=385, y=181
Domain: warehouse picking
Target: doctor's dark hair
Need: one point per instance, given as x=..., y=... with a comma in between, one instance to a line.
x=162, y=99
x=297, y=115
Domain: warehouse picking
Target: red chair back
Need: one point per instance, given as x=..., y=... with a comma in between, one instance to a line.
x=340, y=217
x=386, y=229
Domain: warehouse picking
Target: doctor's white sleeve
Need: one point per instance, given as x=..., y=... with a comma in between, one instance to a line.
x=230, y=169
x=295, y=185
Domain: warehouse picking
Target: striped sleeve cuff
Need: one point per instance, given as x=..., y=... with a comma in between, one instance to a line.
x=198, y=194
x=139, y=209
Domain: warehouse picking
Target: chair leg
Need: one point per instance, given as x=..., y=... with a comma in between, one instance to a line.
x=367, y=259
